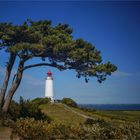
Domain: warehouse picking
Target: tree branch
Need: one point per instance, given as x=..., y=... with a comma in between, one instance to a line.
x=60, y=67
x=14, y=78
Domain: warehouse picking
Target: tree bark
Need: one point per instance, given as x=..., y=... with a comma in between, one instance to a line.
x=14, y=87
x=7, y=76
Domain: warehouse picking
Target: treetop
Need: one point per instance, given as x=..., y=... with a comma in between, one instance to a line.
x=55, y=44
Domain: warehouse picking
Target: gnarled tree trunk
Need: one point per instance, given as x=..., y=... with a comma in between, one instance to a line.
x=7, y=76
x=14, y=87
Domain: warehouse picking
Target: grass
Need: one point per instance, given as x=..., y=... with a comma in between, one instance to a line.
x=120, y=115
x=59, y=113
x=112, y=115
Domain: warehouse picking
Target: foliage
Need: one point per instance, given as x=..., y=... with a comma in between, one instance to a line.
x=57, y=45
x=5, y=120
x=41, y=101
x=30, y=128
x=14, y=110
x=58, y=130
x=26, y=108
x=69, y=102
x=89, y=121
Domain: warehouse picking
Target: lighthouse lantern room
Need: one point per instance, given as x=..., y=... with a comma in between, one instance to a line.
x=49, y=89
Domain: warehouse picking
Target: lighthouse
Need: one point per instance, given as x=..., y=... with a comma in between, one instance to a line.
x=49, y=90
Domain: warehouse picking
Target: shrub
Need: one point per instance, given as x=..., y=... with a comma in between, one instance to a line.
x=14, y=110
x=36, y=129
x=57, y=130
x=89, y=121
x=17, y=110
x=5, y=119
x=77, y=132
x=41, y=101
x=29, y=128
x=36, y=113
x=69, y=102
x=26, y=108
x=94, y=132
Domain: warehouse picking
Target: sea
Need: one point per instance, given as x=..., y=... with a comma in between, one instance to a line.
x=133, y=107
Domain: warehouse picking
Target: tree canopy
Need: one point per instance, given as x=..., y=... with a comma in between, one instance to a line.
x=55, y=45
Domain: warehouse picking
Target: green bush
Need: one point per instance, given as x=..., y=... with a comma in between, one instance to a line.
x=14, y=110
x=89, y=121
x=77, y=132
x=29, y=128
x=41, y=101
x=36, y=113
x=69, y=102
x=57, y=130
x=26, y=108
x=5, y=119
x=36, y=129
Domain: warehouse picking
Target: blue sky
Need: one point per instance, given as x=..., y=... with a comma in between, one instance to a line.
x=113, y=27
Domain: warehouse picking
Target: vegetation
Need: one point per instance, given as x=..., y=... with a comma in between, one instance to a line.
x=110, y=115
x=40, y=101
x=120, y=115
x=89, y=121
x=55, y=44
x=31, y=129
x=59, y=113
x=56, y=121
x=69, y=102
x=24, y=109
x=87, y=109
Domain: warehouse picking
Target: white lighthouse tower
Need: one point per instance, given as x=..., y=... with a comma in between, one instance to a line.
x=49, y=90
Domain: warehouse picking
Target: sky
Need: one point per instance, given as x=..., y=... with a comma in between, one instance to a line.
x=113, y=27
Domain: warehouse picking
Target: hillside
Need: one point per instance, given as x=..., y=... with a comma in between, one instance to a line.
x=59, y=112
x=65, y=114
